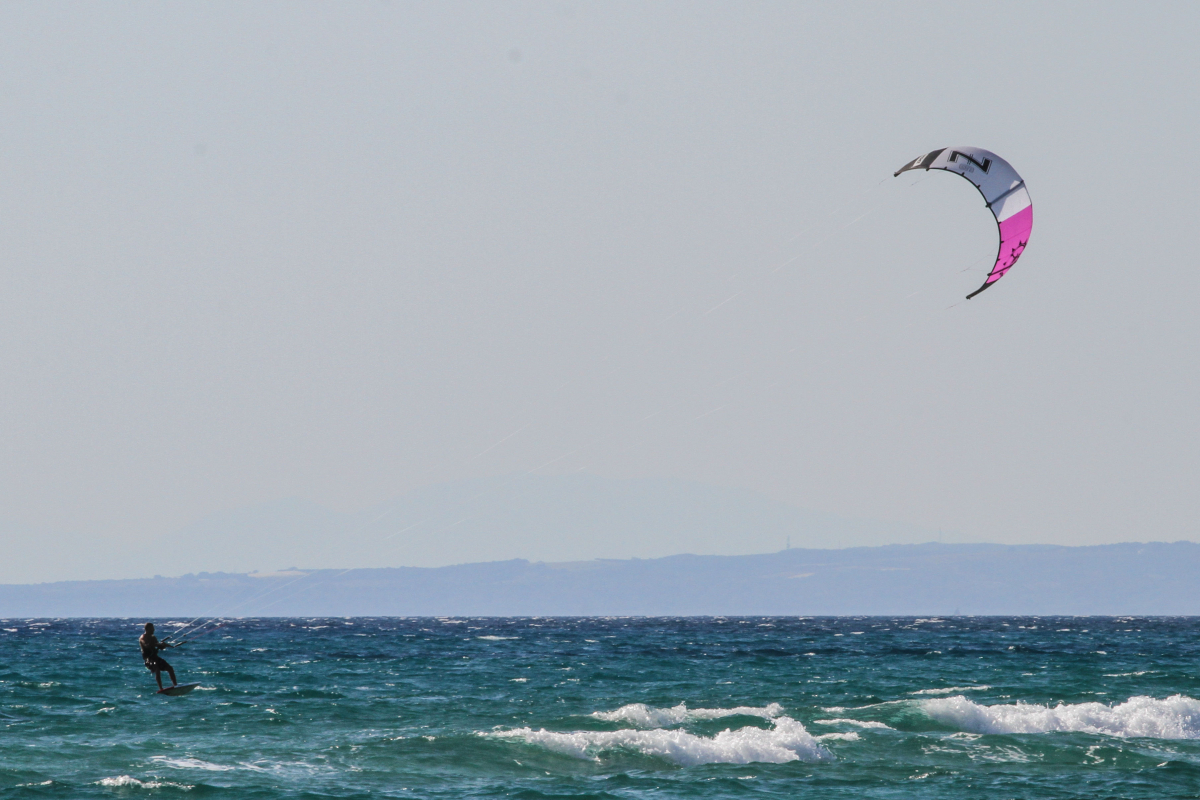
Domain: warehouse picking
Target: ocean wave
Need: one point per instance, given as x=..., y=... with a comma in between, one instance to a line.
x=644, y=716
x=952, y=690
x=857, y=722
x=128, y=781
x=786, y=741
x=1176, y=717
x=191, y=763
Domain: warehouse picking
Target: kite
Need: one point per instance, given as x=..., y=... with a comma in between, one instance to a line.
x=1003, y=190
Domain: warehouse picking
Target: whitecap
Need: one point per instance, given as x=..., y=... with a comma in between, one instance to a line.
x=644, y=716
x=191, y=763
x=497, y=638
x=861, y=723
x=1176, y=717
x=121, y=781
x=952, y=690
x=786, y=741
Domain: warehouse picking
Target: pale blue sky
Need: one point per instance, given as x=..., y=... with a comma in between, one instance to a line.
x=342, y=252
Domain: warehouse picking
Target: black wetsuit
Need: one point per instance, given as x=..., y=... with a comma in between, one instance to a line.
x=150, y=648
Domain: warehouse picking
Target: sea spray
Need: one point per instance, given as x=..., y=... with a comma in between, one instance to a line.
x=1175, y=717
x=644, y=716
x=787, y=740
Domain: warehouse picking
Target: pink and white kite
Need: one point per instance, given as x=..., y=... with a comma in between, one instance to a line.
x=1002, y=190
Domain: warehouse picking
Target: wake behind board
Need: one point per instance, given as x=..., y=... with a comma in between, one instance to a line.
x=176, y=691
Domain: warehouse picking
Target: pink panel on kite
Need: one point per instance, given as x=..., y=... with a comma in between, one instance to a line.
x=1014, y=235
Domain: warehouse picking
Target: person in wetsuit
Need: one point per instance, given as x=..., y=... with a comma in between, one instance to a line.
x=154, y=662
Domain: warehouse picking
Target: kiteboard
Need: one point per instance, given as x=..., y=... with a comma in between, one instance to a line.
x=176, y=691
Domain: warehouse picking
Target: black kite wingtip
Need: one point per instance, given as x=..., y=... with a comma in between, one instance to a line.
x=980, y=289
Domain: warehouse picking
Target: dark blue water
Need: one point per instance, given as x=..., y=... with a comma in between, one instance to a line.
x=608, y=708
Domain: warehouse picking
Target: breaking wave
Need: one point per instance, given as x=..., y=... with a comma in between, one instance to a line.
x=128, y=781
x=191, y=763
x=860, y=723
x=786, y=741
x=1176, y=717
x=644, y=716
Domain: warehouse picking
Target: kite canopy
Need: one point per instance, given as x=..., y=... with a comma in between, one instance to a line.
x=1002, y=190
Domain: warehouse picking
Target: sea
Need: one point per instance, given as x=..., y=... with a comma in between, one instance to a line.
x=532, y=708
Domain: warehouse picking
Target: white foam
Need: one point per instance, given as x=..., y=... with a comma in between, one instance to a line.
x=952, y=690
x=191, y=763
x=1176, y=717
x=130, y=781
x=860, y=723
x=497, y=638
x=786, y=741
x=644, y=716
x=120, y=780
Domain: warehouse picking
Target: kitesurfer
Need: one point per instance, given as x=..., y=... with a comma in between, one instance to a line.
x=154, y=662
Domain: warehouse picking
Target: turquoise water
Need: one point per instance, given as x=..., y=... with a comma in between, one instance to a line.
x=607, y=708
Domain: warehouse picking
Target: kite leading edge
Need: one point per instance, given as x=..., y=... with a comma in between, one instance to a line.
x=1002, y=190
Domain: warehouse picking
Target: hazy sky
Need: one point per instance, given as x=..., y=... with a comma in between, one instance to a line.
x=341, y=252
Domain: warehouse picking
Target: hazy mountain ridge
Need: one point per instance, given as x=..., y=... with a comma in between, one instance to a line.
x=927, y=579
x=542, y=518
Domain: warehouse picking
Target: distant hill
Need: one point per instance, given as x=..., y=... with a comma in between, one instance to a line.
x=927, y=579
x=543, y=518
